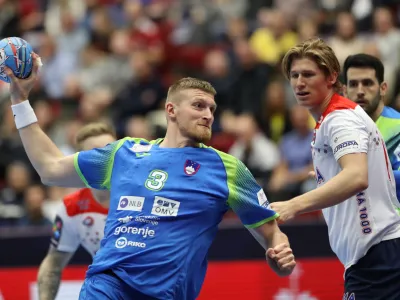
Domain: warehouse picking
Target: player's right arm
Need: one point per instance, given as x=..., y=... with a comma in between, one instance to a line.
x=52, y=166
x=50, y=271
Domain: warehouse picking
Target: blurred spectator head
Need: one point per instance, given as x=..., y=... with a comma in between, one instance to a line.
x=95, y=135
x=307, y=28
x=120, y=42
x=133, y=9
x=71, y=128
x=34, y=198
x=300, y=119
x=47, y=48
x=44, y=113
x=244, y=54
x=275, y=98
x=277, y=23
x=68, y=21
x=138, y=126
x=140, y=64
x=18, y=176
x=345, y=26
x=237, y=28
x=216, y=64
x=246, y=127
x=383, y=20
x=93, y=104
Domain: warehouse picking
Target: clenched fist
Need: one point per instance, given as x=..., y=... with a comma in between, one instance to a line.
x=281, y=259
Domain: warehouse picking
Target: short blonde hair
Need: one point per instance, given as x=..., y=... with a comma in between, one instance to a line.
x=93, y=130
x=190, y=83
x=317, y=50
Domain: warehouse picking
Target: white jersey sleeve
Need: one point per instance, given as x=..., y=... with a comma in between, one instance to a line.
x=347, y=133
x=65, y=233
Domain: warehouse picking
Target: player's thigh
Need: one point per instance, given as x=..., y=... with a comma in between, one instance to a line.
x=377, y=275
x=101, y=286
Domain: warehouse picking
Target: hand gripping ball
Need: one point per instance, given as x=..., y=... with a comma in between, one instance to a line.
x=16, y=54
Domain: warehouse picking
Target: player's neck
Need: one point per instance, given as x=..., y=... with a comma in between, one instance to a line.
x=102, y=197
x=317, y=111
x=177, y=141
x=378, y=111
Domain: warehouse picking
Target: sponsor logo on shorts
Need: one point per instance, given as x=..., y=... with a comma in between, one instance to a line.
x=131, y=203
x=123, y=242
x=165, y=207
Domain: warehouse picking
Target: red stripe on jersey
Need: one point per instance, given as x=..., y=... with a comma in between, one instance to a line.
x=82, y=201
x=386, y=158
x=337, y=103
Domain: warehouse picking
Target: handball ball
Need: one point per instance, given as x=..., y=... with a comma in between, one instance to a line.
x=16, y=54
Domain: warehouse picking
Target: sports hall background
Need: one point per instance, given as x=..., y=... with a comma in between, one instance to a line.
x=114, y=59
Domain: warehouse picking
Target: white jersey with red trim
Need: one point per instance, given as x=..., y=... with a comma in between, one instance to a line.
x=369, y=217
x=79, y=221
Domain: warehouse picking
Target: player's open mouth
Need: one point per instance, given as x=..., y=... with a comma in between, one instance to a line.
x=361, y=102
x=302, y=94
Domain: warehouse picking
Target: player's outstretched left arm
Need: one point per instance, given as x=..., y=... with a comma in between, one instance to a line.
x=52, y=166
x=279, y=255
x=352, y=179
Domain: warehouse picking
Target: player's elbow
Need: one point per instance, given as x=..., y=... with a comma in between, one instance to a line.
x=360, y=181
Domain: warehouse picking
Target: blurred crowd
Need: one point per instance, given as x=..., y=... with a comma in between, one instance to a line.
x=113, y=60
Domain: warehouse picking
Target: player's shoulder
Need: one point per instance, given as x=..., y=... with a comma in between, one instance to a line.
x=339, y=111
x=390, y=113
x=82, y=201
x=229, y=161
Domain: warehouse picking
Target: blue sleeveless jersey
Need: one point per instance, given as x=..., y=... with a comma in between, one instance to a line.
x=166, y=204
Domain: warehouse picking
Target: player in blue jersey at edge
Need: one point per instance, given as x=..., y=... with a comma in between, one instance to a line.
x=167, y=197
x=363, y=76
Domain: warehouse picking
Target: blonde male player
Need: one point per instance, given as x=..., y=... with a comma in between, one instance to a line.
x=79, y=221
x=356, y=187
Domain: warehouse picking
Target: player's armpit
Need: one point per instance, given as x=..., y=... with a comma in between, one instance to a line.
x=356, y=164
x=62, y=172
x=50, y=271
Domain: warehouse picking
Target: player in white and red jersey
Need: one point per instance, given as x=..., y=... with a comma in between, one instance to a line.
x=79, y=221
x=356, y=187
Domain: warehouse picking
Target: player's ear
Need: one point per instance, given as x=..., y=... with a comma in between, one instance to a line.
x=344, y=90
x=170, y=109
x=332, y=78
x=383, y=88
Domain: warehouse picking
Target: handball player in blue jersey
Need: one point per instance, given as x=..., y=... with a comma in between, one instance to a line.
x=167, y=198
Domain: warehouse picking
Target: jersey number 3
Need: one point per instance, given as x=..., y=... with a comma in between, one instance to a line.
x=156, y=180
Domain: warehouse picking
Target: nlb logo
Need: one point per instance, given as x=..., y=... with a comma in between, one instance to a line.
x=122, y=242
x=165, y=207
x=130, y=203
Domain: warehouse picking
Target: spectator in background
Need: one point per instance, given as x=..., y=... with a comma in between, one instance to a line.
x=274, y=115
x=143, y=94
x=18, y=178
x=290, y=178
x=346, y=41
x=254, y=149
x=271, y=41
x=34, y=198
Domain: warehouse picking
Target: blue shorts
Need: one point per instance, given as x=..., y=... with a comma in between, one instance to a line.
x=107, y=286
x=377, y=275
